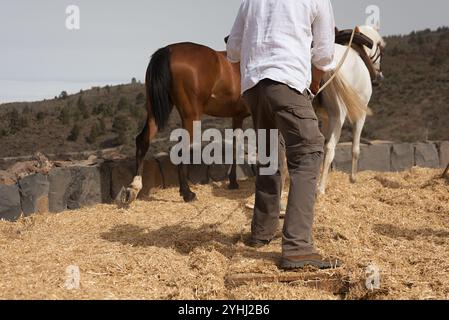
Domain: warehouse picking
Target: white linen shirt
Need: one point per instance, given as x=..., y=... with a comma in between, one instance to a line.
x=273, y=39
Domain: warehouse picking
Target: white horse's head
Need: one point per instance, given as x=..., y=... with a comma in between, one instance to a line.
x=377, y=52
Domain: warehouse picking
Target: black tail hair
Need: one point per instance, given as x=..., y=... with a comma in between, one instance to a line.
x=159, y=84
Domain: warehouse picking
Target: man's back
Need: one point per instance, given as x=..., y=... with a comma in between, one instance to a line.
x=273, y=39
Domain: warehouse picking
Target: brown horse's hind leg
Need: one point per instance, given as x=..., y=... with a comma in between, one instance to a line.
x=184, y=188
x=142, y=146
x=237, y=123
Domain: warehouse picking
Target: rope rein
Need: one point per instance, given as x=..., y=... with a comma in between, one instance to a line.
x=342, y=61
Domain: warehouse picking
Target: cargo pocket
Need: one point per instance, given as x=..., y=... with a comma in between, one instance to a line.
x=302, y=128
x=304, y=112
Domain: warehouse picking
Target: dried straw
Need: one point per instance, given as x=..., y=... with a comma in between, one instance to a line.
x=166, y=249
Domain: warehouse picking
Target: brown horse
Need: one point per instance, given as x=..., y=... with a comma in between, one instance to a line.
x=197, y=80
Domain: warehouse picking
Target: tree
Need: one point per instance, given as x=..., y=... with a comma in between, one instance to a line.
x=14, y=121
x=99, y=109
x=121, y=124
x=41, y=116
x=133, y=81
x=108, y=111
x=102, y=125
x=437, y=60
x=63, y=95
x=83, y=108
x=412, y=38
x=95, y=132
x=23, y=122
x=395, y=51
x=140, y=98
x=74, y=133
x=122, y=104
x=420, y=40
x=26, y=110
x=122, y=127
x=137, y=112
x=76, y=114
x=64, y=115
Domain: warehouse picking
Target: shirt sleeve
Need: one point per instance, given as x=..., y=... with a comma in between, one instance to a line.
x=234, y=45
x=323, y=29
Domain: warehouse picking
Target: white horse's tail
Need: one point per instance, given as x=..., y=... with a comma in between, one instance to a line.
x=355, y=107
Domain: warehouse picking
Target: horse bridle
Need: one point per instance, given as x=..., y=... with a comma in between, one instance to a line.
x=377, y=57
x=378, y=54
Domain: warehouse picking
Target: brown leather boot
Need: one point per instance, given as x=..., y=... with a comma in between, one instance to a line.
x=314, y=260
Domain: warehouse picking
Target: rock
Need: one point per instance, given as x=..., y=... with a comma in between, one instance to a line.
x=10, y=208
x=122, y=174
x=244, y=171
x=375, y=157
x=112, y=154
x=198, y=173
x=426, y=155
x=402, y=157
x=23, y=169
x=39, y=164
x=219, y=172
x=168, y=170
x=443, y=148
x=7, y=178
x=106, y=176
x=91, y=161
x=60, y=179
x=34, y=191
x=152, y=178
x=254, y=169
x=85, y=188
x=43, y=163
x=74, y=188
x=343, y=158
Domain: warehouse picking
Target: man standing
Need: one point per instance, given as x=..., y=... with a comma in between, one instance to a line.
x=272, y=40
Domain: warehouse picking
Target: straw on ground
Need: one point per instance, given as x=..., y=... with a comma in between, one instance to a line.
x=166, y=249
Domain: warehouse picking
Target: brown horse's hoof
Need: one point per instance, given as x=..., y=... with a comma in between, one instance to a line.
x=233, y=186
x=125, y=197
x=190, y=197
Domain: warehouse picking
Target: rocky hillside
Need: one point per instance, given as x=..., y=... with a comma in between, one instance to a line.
x=411, y=105
x=413, y=102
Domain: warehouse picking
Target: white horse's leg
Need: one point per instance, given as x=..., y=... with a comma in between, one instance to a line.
x=357, y=134
x=335, y=124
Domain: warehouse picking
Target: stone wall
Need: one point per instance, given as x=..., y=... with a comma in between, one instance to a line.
x=77, y=186
x=394, y=157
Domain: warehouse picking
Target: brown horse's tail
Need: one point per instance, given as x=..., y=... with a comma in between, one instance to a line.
x=159, y=84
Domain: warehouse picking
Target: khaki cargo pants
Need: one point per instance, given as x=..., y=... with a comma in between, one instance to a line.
x=277, y=106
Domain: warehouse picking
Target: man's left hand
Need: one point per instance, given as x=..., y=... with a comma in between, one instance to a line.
x=315, y=87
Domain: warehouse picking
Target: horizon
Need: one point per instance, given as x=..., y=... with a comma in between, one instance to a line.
x=74, y=86
x=59, y=60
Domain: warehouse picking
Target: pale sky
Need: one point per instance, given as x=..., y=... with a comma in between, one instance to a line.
x=116, y=38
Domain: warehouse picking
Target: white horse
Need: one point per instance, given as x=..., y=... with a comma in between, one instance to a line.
x=348, y=95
